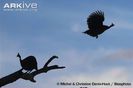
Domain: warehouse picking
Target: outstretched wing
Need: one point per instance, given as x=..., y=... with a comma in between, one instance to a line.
x=95, y=20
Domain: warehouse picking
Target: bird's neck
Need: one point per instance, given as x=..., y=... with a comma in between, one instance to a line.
x=107, y=27
x=111, y=25
x=20, y=60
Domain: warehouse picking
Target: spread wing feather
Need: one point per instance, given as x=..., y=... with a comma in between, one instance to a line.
x=95, y=20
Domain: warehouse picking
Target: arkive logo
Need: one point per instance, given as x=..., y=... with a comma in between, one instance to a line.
x=20, y=6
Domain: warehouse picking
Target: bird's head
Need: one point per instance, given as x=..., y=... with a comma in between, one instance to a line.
x=112, y=25
x=18, y=55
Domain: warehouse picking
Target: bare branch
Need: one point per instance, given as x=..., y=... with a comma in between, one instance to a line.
x=53, y=57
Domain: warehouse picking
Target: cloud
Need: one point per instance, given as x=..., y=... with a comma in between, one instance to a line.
x=114, y=74
x=121, y=17
x=123, y=21
x=76, y=28
x=117, y=74
x=121, y=54
x=79, y=62
x=124, y=24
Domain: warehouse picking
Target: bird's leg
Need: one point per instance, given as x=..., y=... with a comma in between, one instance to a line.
x=96, y=36
x=27, y=72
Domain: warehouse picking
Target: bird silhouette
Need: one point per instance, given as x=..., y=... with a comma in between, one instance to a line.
x=29, y=63
x=95, y=24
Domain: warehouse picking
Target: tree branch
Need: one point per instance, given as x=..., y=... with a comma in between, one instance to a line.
x=29, y=76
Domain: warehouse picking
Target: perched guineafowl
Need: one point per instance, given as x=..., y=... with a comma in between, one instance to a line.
x=29, y=63
x=95, y=24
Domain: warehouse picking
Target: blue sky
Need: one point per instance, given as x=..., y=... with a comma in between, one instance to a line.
x=56, y=29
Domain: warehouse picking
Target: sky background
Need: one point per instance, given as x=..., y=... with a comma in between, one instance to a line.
x=56, y=29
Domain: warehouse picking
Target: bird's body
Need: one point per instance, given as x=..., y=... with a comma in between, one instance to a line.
x=95, y=24
x=29, y=63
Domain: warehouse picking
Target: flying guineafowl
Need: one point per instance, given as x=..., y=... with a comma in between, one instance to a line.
x=29, y=63
x=95, y=24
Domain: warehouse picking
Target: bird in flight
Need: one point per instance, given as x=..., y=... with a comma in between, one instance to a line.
x=95, y=24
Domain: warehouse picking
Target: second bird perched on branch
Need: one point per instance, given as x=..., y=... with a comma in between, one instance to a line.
x=95, y=24
x=29, y=63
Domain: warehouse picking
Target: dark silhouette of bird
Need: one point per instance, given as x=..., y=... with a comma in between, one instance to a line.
x=29, y=63
x=95, y=24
